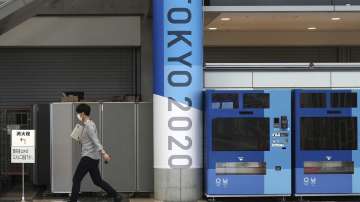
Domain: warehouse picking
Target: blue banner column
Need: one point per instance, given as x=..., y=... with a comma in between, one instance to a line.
x=178, y=82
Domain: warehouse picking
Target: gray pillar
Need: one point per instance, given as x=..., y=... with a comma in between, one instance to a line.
x=178, y=184
x=178, y=81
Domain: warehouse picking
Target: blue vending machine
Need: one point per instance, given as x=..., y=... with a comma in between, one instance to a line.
x=248, y=143
x=327, y=142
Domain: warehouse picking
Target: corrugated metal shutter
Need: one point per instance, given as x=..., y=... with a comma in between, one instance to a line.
x=355, y=54
x=270, y=54
x=40, y=75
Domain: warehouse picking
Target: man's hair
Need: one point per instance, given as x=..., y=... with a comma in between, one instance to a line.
x=83, y=108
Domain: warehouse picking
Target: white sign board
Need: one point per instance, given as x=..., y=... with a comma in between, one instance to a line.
x=23, y=146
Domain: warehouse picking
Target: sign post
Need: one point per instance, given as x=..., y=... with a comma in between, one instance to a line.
x=23, y=151
x=178, y=83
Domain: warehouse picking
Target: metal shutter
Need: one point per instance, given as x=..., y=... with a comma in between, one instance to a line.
x=40, y=75
x=355, y=54
x=270, y=54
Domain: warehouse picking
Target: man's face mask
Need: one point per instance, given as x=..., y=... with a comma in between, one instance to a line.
x=79, y=117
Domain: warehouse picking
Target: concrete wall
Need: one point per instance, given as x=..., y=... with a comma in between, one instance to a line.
x=272, y=79
x=118, y=7
x=75, y=31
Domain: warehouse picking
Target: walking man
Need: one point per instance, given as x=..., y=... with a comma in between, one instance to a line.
x=91, y=152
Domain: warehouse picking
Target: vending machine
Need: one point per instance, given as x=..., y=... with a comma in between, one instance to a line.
x=327, y=156
x=247, y=143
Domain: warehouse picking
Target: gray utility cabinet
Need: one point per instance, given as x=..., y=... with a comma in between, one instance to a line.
x=61, y=123
x=144, y=152
x=120, y=142
x=125, y=130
